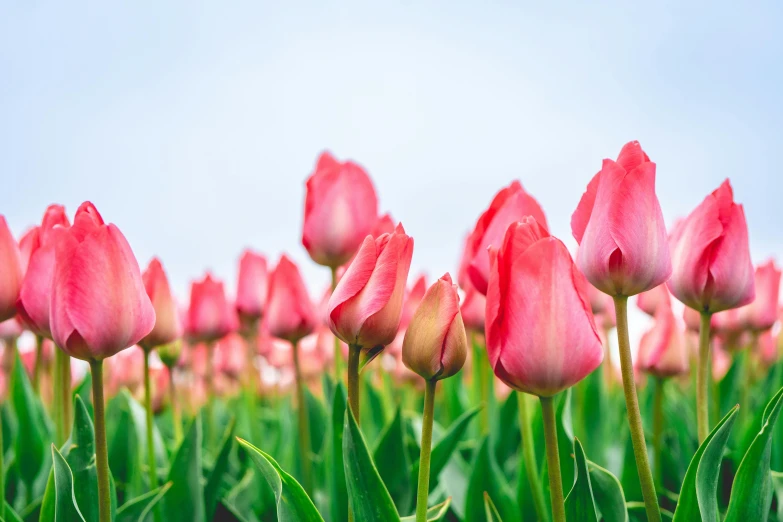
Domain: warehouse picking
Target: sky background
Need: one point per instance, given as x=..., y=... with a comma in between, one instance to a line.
x=193, y=125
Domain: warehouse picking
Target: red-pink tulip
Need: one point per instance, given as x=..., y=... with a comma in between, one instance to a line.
x=341, y=208
x=230, y=355
x=251, y=285
x=435, y=344
x=167, y=325
x=541, y=337
x=651, y=301
x=511, y=204
x=210, y=316
x=623, y=249
x=662, y=350
x=366, y=307
x=762, y=313
x=290, y=313
x=10, y=272
x=711, y=255
x=98, y=303
x=473, y=309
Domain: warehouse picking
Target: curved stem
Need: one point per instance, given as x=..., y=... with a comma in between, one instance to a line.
x=634, y=415
x=426, y=448
x=529, y=456
x=101, y=451
x=658, y=431
x=353, y=381
x=338, y=353
x=176, y=413
x=553, y=460
x=304, y=424
x=703, y=378
x=38, y=368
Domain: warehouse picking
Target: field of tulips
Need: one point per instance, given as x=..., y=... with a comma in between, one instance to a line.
x=507, y=392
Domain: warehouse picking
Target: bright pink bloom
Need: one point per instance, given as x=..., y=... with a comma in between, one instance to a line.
x=651, y=301
x=210, y=316
x=510, y=205
x=167, y=325
x=762, y=313
x=341, y=209
x=290, y=313
x=473, y=309
x=251, y=285
x=711, y=255
x=541, y=337
x=98, y=303
x=619, y=226
x=10, y=272
x=662, y=350
x=366, y=307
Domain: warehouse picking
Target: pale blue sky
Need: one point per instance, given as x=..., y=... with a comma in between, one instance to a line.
x=193, y=125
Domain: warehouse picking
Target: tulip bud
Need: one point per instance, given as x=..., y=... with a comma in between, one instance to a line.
x=341, y=208
x=711, y=255
x=10, y=272
x=98, y=302
x=366, y=306
x=762, y=313
x=167, y=326
x=662, y=350
x=169, y=353
x=210, y=316
x=619, y=226
x=290, y=313
x=435, y=343
x=251, y=286
x=541, y=337
x=651, y=301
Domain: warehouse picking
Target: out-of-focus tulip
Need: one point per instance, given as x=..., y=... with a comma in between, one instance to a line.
x=721, y=360
x=170, y=353
x=623, y=249
x=230, y=355
x=341, y=209
x=473, y=308
x=98, y=304
x=28, y=355
x=662, y=350
x=125, y=370
x=410, y=303
x=366, y=307
x=384, y=225
x=10, y=272
x=692, y=320
x=290, y=313
x=768, y=348
x=167, y=326
x=510, y=205
x=10, y=329
x=541, y=337
x=435, y=344
x=711, y=255
x=251, y=285
x=210, y=316
x=651, y=301
x=599, y=302
x=728, y=323
x=762, y=313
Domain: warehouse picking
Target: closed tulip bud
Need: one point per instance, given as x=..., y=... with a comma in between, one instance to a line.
x=341, y=208
x=762, y=313
x=435, y=344
x=167, y=325
x=541, y=337
x=711, y=255
x=623, y=249
x=251, y=285
x=651, y=301
x=10, y=272
x=510, y=205
x=662, y=350
x=366, y=306
x=290, y=313
x=210, y=316
x=170, y=353
x=98, y=303
x=473, y=308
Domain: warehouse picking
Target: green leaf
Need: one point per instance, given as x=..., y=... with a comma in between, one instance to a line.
x=316, y=413
x=84, y=391
x=373, y=414
x=434, y=513
x=490, y=511
x=338, y=504
x=751, y=493
x=391, y=458
x=444, y=448
x=65, y=509
x=214, y=483
x=138, y=509
x=507, y=441
x=10, y=514
x=293, y=504
x=369, y=498
x=30, y=444
x=185, y=500
x=608, y=494
x=698, y=495
x=487, y=477
x=579, y=504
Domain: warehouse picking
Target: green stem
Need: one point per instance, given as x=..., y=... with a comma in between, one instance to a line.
x=304, y=424
x=529, y=456
x=338, y=353
x=658, y=431
x=101, y=451
x=65, y=393
x=353, y=381
x=634, y=415
x=176, y=413
x=208, y=420
x=38, y=368
x=484, y=375
x=151, y=463
x=553, y=459
x=57, y=402
x=703, y=378
x=426, y=447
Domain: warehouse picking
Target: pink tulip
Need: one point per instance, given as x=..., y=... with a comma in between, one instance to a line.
x=384, y=225
x=435, y=344
x=651, y=301
x=662, y=350
x=692, y=320
x=762, y=313
x=768, y=349
x=10, y=329
x=210, y=316
x=290, y=313
x=10, y=272
x=230, y=356
x=541, y=337
x=511, y=204
x=366, y=306
x=98, y=302
x=125, y=370
x=341, y=208
x=252, y=285
x=721, y=360
x=167, y=324
x=473, y=308
x=711, y=255
x=618, y=223
x=728, y=323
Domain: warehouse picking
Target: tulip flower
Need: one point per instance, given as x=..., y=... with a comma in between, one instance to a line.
x=10, y=330
x=768, y=348
x=651, y=301
x=511, y=204
x=341, y=209
x=762, y=313
x=11, y=273
x=251, y=286
x=541, y=336
x=210, y=316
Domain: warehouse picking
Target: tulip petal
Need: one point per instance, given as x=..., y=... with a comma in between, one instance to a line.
x=581, y=216
x=731, y=269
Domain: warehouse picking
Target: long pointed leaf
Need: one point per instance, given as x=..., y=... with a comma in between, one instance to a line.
x=608, y=494
x=579, y=504
x=65, y=509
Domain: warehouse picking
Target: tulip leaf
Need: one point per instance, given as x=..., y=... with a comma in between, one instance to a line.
x=579, y=504
x=214, y=484
x=316, y=413
x=10, y=514
x=369, y=498
x=373, y=414
x=490, y=511
x=751, y=492
x=139, y=508
x=293, y=504
x=338, y=504
x=391, y=458
x=507, y=441
x=30, y=444
x=184, y=502
x=84, y=391
x=487, y=477
x=698, y=495
x=434, y=513
x=777, y=484
x=608, y=494
x=65, y=507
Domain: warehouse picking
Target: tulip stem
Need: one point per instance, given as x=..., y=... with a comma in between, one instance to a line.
x=101, y=451
x=338, y=353
x=426, y=448
x=553, y=459
x=65, y=392
x=304, y=424
x=482, y=363
x=529, y=458
x=353, y=381
x=634, y=415
x=60, y=400
x=151, y=463
x=703, y=378
x=38, y=368
x=176, y=413
x=210, y=384
x=658, y=431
